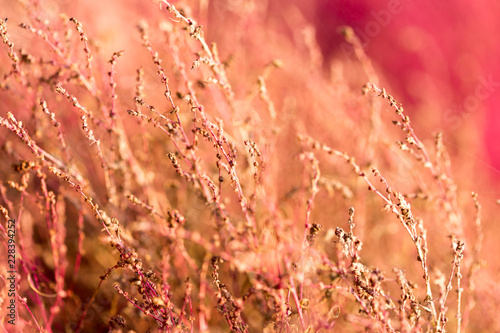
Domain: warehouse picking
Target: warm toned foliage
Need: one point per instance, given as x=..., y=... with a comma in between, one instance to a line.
x=163, y=182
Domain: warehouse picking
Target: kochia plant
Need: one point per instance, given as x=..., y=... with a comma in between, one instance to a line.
x=187, y=190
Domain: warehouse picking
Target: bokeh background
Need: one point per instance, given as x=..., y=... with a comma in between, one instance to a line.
x=439, y=58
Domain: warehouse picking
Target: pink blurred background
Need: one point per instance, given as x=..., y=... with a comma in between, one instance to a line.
x=436, y=57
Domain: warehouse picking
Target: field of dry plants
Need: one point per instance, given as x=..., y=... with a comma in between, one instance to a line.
x=201, y=166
